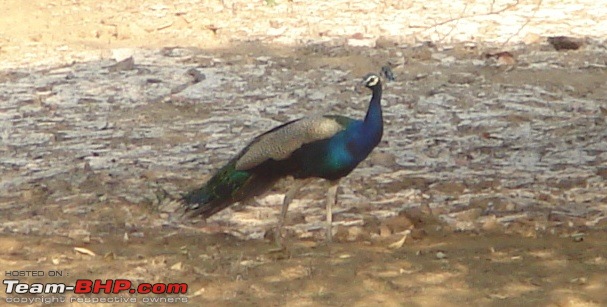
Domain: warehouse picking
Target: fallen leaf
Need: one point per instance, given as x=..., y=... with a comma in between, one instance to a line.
x=85, y=251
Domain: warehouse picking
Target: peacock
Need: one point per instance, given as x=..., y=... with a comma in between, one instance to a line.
x=327, y=147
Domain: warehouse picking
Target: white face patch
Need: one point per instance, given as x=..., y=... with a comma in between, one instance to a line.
x=372, y=80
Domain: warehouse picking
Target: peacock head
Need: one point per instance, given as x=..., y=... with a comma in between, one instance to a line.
x=369, y=81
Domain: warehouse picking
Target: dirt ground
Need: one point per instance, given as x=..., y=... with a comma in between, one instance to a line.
x=492, y=171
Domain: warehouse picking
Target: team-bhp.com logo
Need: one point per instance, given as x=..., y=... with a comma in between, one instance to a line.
x=87, y=286
x=97, y=286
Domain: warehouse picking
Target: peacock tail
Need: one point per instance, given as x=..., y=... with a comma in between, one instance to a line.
x=226, y=187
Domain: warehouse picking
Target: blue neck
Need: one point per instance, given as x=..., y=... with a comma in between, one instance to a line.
x=374, y=115
x=374, y=123
x=355, y=143
x=369, y=132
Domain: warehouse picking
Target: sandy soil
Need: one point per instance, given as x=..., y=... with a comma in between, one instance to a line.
x=541, y=260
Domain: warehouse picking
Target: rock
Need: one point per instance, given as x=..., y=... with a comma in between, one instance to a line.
x=196, y=74
x=126, y=64
x=441, y=255
x=177, y=266
x=122, y=54
x=362, y=42
x=565, y=42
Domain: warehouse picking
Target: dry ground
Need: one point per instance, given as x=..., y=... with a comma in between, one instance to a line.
x=497, y=171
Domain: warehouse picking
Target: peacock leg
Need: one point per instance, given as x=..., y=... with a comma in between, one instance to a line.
x=289, y=196
x=331, y=200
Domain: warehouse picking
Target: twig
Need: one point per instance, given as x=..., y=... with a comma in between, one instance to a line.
x=463, y=16
x=537, y=8
x=508, y=7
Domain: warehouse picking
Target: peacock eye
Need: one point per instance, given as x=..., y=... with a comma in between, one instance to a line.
x=372, y=80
